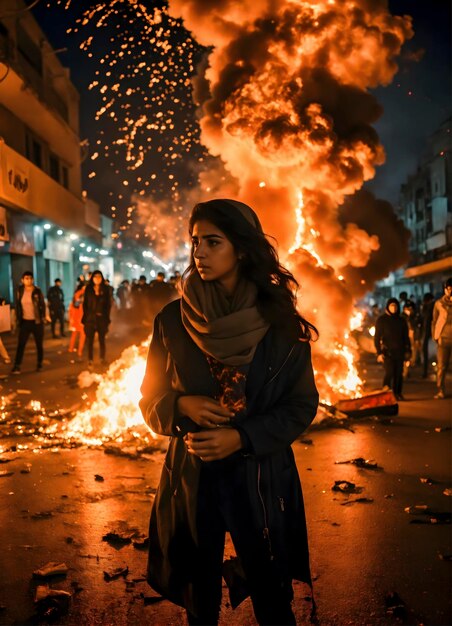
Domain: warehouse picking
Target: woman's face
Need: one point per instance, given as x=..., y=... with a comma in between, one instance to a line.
x=392, y=308
x=97, y=279
x=214, y=255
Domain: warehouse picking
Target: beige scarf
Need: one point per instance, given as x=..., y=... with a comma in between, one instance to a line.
x=227, y=329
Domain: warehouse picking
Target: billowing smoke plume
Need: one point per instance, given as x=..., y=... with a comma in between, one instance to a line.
x=284, y=102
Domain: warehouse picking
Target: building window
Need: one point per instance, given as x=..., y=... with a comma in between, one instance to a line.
x=36, y=153
x=65, y=176
x=54, y=167
x=29, y=50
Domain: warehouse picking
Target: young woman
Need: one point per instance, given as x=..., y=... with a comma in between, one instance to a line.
x=96, y=313
x=229, y=379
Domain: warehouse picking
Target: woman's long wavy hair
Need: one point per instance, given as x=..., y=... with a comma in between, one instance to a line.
x=259, y=263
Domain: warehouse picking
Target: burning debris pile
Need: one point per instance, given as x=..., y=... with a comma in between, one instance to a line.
x=113, y=419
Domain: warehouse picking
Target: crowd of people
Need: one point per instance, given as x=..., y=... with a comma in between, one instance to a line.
x=88, y=314
x=403, y=333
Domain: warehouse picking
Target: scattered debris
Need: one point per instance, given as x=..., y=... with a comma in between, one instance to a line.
x=426, y=480
x=52, y=568
x=428, y=516
x=307, y=442
x=444, y=557
x=329, y=416
x=5, y=473
x=389, y=495
x=99, y=478
x=130, y=586
x=395, y=606
x=131, y=477
x=361, y=463
x=41, y=515
x=345, y=486
x=24, y=392
x=417, y=509
x=116, y=572
x=437, y=517
x=51, y=604
x=122, y=534
x=129, y=452
x=26, y=469
x=7, y=459
x=442, y=429
x=380, y=402
x=447, y=491
x=362, y=500
x=141, y=542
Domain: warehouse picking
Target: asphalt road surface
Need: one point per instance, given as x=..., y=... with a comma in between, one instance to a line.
x=52, y=508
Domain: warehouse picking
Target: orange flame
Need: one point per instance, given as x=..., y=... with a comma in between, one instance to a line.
x=115, y=408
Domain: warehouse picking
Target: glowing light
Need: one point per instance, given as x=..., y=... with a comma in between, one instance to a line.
x=47, y=226
x=115, y=407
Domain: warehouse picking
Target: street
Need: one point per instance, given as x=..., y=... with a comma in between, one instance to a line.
x=57, y=504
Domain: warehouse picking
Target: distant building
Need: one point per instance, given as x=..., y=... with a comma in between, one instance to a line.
x=426, y=208
x=42, y=208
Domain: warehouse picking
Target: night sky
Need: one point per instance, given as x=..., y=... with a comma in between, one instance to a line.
x=414, y=105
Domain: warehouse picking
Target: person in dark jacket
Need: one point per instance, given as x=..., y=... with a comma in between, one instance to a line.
x=55, y=298
x=31, y=316
x=96, y=314
x=229, y=379
x=160, y=293
x=392, y=344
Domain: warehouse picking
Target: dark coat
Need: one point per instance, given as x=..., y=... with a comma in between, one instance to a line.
x=55, y=297
x=39, y=305
x=90, y=306
x=281, y=402
x=391, y=336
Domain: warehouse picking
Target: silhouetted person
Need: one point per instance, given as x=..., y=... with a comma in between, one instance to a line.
x=160, y=293
x=140, y=299
x=123, y=293
x=30, y=314
x=55, y=298
x=392, y=344
x=414, y=333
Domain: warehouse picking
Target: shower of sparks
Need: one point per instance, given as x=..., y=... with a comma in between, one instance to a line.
x=141, y=61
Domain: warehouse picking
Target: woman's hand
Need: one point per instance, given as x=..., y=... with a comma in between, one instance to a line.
x=204, y=411
x=213, y=445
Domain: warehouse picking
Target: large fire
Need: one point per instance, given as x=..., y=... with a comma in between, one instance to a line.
x=284, y=103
